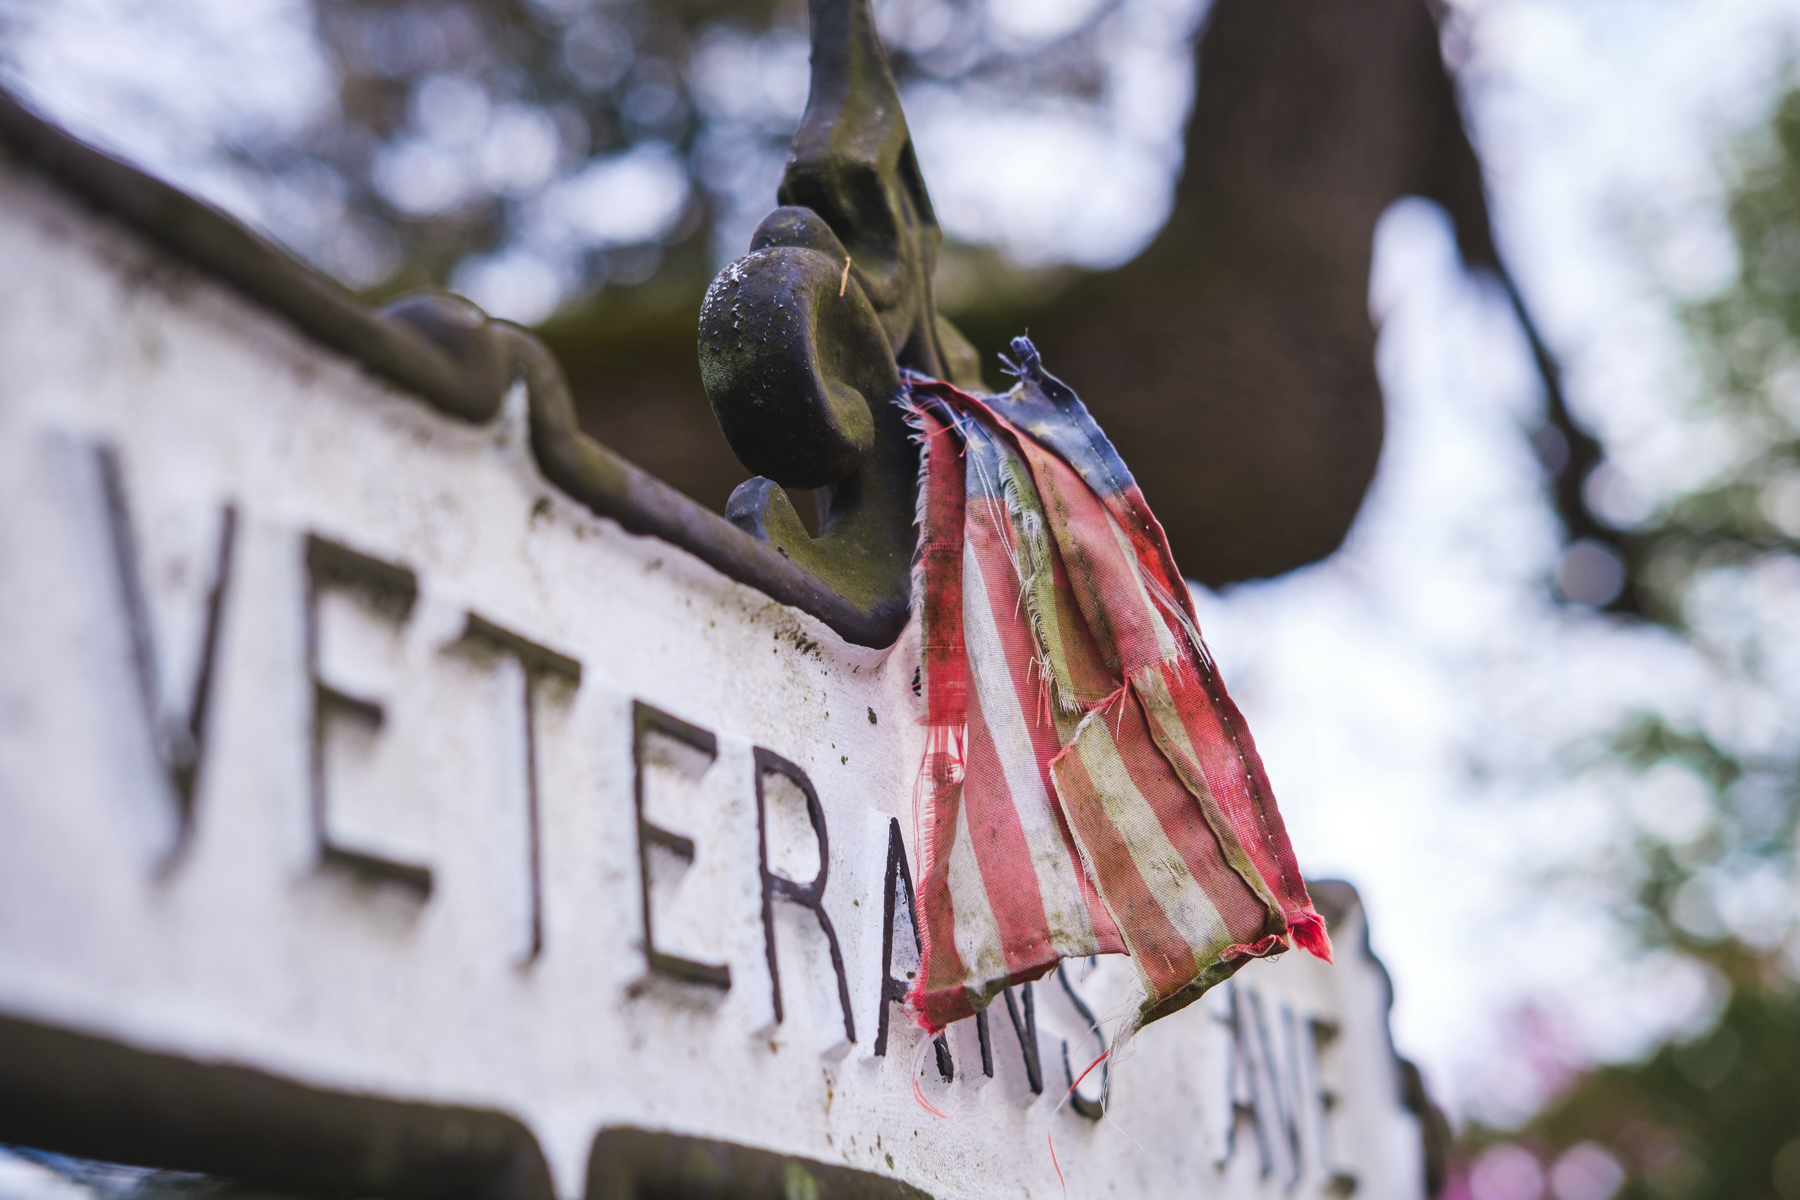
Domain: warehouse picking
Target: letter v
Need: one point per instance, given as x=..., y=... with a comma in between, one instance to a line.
x=179, y=738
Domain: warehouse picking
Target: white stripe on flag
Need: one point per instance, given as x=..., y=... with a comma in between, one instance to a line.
x=977, y=936
x=1071, y=931
x=1165, y=873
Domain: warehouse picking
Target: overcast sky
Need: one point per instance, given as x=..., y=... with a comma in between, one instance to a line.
x=1417, y=699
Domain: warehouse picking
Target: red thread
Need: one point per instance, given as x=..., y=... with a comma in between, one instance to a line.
x=917, y=1067
x=919, y=1095
x=1057, y=1165
x=1090, y=1068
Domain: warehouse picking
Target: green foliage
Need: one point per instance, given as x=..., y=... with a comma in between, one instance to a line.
x=1748, y=344
x=1718, y=1117
x=1704, y=1120
x=1747, y=340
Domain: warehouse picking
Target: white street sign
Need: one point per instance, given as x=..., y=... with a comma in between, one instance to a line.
x=345, y=760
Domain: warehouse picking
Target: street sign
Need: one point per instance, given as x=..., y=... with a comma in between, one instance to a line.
x=376, y=816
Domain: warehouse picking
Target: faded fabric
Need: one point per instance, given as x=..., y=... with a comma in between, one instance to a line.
x=1088, y=786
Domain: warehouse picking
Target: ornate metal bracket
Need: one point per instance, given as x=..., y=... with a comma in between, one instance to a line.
x=802, y=340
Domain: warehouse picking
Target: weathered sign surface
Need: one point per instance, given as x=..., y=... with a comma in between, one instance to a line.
x=374, y=815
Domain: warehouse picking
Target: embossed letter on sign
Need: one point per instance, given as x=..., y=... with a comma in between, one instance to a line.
x=808, y=895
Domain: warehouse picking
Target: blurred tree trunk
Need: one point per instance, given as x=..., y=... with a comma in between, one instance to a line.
x=1233, y=360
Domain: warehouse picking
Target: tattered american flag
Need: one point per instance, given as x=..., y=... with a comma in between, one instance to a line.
x=1088, y=786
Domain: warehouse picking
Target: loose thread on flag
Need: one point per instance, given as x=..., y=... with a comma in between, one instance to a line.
x=918, y=1067
x=1087, y=1072
x=1071, y=1092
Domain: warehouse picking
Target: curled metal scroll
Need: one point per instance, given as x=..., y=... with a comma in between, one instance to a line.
x=802, y=340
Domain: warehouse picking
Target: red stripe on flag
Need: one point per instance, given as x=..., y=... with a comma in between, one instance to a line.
x=1004, y=856
x=1234, y=775
x=945, y=669
x=1161, y=952
x=1025, y=676
x=1246, y=917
